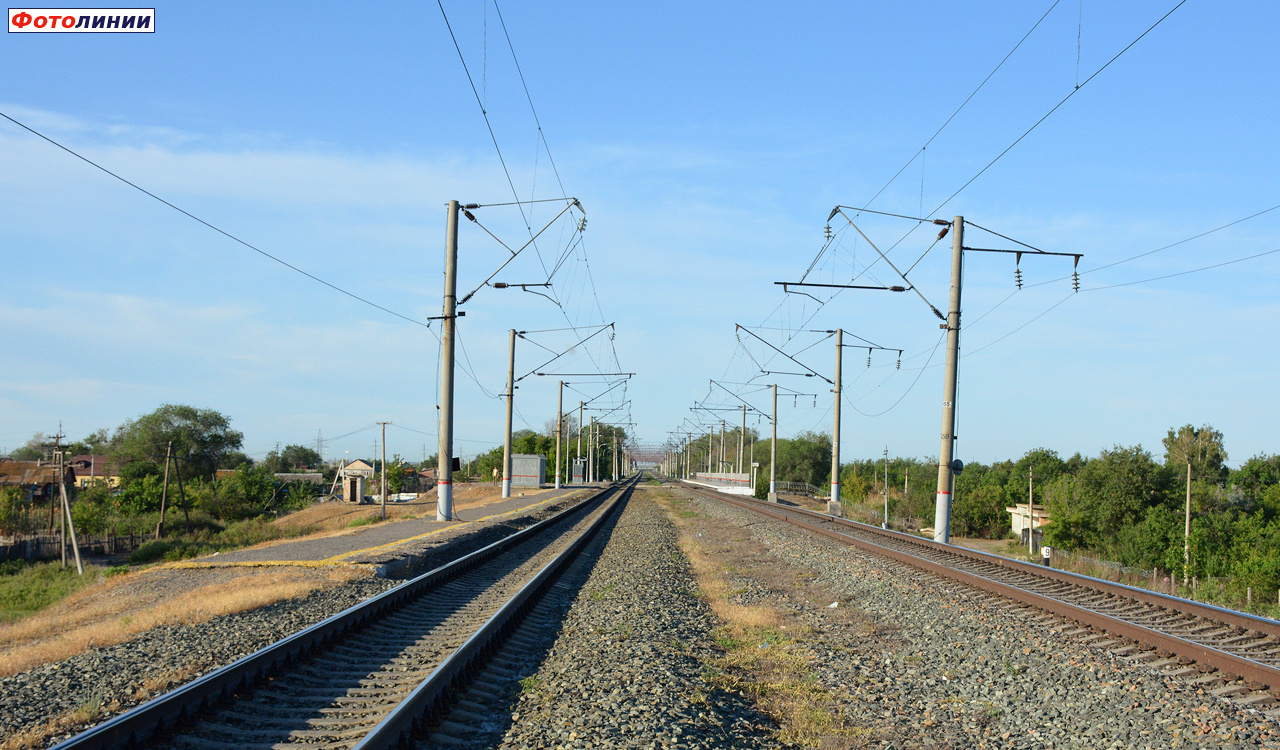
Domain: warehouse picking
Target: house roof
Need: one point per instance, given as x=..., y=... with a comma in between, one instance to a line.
x=356, y=468
x=309, y=477
x=27, y=473
x=93, y=466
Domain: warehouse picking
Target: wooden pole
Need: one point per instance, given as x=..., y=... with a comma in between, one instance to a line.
x=164, y=491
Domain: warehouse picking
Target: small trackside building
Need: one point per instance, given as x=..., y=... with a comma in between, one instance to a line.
x=528, y=470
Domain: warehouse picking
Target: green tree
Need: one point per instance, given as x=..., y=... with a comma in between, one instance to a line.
x=32, y=450
x=249, y=492
x=1201, y=448
x=13, y=510
x=95, y=443
x=1110, y=492
x=201, y=439
x=293, y=459
x=981, y=496
x=1257, y=475
x=1201, y=452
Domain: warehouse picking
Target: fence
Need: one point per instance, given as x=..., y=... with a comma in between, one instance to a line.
x=41, y=546
x=797, y=488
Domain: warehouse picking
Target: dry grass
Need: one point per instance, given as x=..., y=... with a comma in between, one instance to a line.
x=339, y=517
x=766, y=648
x=118, y=608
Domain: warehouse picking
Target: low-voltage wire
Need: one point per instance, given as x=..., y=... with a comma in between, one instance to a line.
x=219, y=230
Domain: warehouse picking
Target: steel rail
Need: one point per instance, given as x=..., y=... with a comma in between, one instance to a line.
x=1155, y=598
x=134, y=726
x=1257, y=674
x=430, y=699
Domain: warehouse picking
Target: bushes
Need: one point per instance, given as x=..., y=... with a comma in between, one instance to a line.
x=25, y=589
x=13, y=510
x=212, y=538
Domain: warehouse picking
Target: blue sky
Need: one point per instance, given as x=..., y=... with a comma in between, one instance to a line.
x=707, y=145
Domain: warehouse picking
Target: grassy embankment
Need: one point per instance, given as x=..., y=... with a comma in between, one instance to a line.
x=767, y=650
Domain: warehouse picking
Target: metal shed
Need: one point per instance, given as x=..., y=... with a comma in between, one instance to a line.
x=528, y=470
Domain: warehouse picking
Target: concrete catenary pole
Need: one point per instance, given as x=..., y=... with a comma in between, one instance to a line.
x=506, y=438
x=578, y=455
x=946, y=477
x=711, y=441
x=591, y=451
x=559, y=429
x=741, y=437
x=833, y=505
x=444, y=462
x=773, y=451
x=724, y=434
x=383, y=503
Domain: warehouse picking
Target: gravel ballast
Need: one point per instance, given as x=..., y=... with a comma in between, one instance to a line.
x=109, y=679
x=948, y=666
x=626, y=669
x=910, y=660
x=111, y=676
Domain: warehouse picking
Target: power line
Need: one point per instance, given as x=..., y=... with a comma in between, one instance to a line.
x=822, y=304
x=1183, y=273
x=920, y=152
x=1019, y=328
x=1019, y=139
x=520, y=204
x=485, y=114
x=1055, y=107
x=542, y=136
x=219, y=230
x=1166, y=247
x=910, y=387
x=965, y=102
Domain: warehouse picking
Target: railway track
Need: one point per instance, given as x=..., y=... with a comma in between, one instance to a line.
x=1236, y=651
x=380, y=673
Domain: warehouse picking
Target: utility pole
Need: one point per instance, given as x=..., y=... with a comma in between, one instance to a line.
x=506, y=438
x=579, y=454
x=444, y=462
x=384, y=469
x=886, y=487
x=1031, y=514
x=71, y=524
x=833, y=505
x=66, y=505
x=559, y=429
x=164, y=496
x=1186, y=534
x=773, y=451
x=946, y=475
